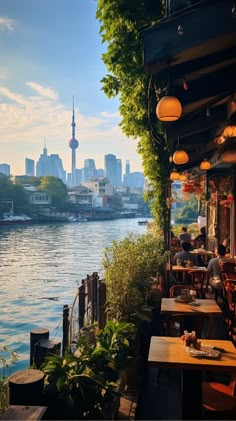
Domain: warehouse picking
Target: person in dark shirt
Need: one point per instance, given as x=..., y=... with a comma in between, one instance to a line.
x=185, y=236
x=185, y=254
x=202, y=235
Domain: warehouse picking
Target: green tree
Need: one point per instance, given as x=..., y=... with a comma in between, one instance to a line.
x=55, y=188
x=10, y=192
x=121, y=25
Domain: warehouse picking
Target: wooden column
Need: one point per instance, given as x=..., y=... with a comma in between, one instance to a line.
x=26, y=387
x=81, y=302
x=101, y=304
x=36, y=335
x=65, y=328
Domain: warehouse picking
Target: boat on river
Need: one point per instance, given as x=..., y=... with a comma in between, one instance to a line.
x=10, y=219
x=143, y=222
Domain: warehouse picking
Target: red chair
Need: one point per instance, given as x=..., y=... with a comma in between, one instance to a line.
x=219, y=400
x=230, y=308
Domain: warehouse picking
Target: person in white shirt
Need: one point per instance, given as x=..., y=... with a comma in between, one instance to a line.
x=214, y=268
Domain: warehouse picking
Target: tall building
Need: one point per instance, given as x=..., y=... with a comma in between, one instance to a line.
x=118, y=172
x=113, y=169
x=50, y=165
x=110, y=168
x=73, y=144
x=127, y=168
x=5, y=169
x=29, y=167
x=90, y=165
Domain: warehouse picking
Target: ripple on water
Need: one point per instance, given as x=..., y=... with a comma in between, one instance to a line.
x=41, y=268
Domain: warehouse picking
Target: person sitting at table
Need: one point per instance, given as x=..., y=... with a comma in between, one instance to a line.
x=201, y=238
x=185, y=236
x=214, y=268
x=185, y=255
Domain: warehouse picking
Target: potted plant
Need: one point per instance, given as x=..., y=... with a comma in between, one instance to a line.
x=85, y=384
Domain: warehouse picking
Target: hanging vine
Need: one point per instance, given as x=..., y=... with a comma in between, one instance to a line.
x=121, y=23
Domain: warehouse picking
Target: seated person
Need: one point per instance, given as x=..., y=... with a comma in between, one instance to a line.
x=185, y=254
x=201, y=238
x=185, y=236
x=214, y=268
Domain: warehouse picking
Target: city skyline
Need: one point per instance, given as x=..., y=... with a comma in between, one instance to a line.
x=43, y=64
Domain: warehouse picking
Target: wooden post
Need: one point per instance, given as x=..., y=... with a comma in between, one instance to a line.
x=101, y=304
x=94, y=296
x=81, y=304
x=65, y=328
x=36, y=335
x=26, y=387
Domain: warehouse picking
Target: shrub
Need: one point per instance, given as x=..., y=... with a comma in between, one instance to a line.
x=129, y=265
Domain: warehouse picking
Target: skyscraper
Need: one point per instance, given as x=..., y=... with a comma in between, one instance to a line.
x=90, y=165
x=50, y=165
x=73, y=144
x=29, y=167
x=5, y=169
x=127, y=168
x=118, y=172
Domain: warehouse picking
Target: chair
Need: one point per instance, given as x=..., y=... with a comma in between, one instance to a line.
x=229, y=291
x=175, y=290
x=199, y=280
x=219, y=400
x=174, y=325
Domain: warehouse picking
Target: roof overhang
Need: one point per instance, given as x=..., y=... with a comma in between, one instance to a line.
x=204, y=58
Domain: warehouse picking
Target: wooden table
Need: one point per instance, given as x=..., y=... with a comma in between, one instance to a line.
x=169, y=352
x=185, y=270
x=203, y=252
x=208, y=307
x=21, y=412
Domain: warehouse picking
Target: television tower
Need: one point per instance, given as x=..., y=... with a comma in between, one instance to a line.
x=73, y=144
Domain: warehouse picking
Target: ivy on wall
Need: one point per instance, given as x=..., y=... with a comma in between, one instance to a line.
x=121, y=22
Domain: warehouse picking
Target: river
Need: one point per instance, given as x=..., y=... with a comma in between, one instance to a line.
x=40, y=269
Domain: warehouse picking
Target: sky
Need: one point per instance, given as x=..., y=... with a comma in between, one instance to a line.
x=51, y=51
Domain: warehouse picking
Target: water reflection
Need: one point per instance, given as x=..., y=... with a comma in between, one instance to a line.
x=40, y=269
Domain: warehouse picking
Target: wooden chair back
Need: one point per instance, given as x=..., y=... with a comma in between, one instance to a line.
x=199, y=280
x=176, y=290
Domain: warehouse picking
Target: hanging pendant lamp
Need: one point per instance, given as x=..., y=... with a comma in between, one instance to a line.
x=174, y=175
x=169, y=108
x=180, y=157
x=205, y=165
x=182, y=177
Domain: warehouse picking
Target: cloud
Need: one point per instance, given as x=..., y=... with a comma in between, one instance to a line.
x=110, y=115
x=6, y=23
x=42, y=90
x=26, y=120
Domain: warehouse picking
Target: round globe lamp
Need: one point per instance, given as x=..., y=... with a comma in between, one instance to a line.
x=174, y=175
x=205, y=165
x=182, y=177
x=230, y=131
x=180, y=157
x=169, y=108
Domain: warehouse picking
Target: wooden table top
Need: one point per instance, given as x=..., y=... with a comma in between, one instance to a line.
x=169, y=352
x=202, y=251
x=182, y=269
x=207, y=306
x=21, y=412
